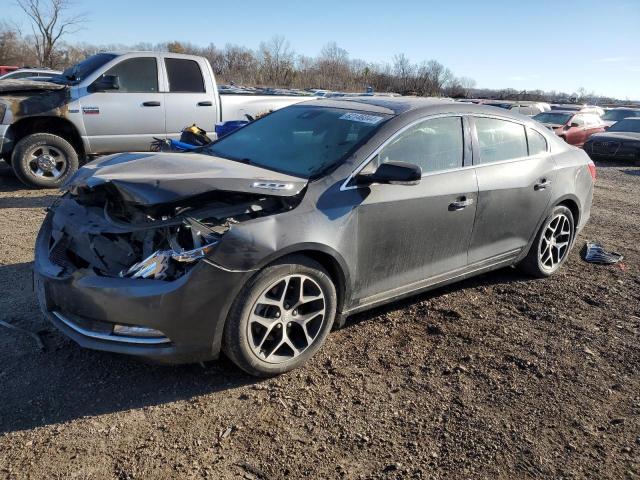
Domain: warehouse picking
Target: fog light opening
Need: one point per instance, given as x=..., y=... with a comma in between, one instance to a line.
x=135, y=331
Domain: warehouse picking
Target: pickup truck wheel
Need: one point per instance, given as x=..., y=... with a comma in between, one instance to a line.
x=281, y=317
x=44, y=160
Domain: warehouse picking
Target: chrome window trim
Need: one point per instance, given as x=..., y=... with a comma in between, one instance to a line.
x=345, y=185
x=109, y=337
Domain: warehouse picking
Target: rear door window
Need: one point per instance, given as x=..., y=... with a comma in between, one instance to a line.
x=184, y=75
x=499, y=140
x=433, y=145
x=136, y=75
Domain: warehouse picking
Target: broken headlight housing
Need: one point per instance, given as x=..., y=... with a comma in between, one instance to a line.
x=157, y=264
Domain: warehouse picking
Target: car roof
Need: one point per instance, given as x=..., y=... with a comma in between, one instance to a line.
x=417, y=105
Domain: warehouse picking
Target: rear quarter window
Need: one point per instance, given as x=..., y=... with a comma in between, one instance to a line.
x=537, y=142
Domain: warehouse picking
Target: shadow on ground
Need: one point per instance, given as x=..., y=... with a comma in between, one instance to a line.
x=64, y=382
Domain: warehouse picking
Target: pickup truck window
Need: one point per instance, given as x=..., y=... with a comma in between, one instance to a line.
x=299, y=140
x=184, y=76
x=136, y=75
x=83, y=69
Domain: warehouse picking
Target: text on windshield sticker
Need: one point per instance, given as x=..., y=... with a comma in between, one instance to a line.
x=361, y=117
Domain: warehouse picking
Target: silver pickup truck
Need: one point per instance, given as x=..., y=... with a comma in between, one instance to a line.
x=112, y=102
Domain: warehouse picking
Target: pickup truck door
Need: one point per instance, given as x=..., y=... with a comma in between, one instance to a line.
x=128, y=118
x=189, y=96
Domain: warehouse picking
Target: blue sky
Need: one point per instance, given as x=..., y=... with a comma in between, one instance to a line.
x=553, y=45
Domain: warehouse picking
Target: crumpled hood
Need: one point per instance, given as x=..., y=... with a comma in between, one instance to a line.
x=154, y=178
x=10, y=86
x=617, y=136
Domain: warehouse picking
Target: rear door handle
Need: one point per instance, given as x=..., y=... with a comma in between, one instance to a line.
x=150, y=104
x=544, y=183
x=205, y=104
x=460, y=203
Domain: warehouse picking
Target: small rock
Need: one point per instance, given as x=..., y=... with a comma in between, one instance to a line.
x=434, y=329
x=617, y=421
x=588, y=351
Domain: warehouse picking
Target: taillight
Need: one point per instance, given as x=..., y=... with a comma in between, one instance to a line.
x=592, y=170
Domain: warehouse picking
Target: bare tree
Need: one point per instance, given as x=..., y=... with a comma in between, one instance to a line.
x=277, y=61
x=404, y=71
x=49, y=24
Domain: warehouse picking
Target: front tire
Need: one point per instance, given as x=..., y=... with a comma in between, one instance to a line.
x=551, y=245
x=44, y=160
x=281, y=317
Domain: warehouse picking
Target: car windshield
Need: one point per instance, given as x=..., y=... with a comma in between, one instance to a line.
x=626, y=126
x=554, y=118
x=617, y=115
x=300, y=140
x=81, y=70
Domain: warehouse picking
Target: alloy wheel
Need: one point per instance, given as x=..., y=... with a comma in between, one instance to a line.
x=554, y=242
x=286, y=319
x=46, y=162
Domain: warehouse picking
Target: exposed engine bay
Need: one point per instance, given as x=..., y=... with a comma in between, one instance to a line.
x=95, y=228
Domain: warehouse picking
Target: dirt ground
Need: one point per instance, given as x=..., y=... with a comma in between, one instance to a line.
x=497, y=377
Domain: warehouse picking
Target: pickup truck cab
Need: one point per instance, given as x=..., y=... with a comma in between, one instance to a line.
x=109, y=103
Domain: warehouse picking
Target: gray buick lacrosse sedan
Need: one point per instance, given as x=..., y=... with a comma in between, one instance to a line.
x=260, y=243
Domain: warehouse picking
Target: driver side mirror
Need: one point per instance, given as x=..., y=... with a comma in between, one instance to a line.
x=105, y=83
x=393, y=173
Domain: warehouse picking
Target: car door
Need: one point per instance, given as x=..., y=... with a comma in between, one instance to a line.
x=407, y=234
x=594, y=125
x=189, y=97
x=128, y=118
x=577, y=132
x=515, y=175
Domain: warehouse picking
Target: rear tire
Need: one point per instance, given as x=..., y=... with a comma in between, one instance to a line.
x=281, y=318
x=552, y=243
x=44, y=160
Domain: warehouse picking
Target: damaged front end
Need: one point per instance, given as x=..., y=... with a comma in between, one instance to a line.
x=96, y=229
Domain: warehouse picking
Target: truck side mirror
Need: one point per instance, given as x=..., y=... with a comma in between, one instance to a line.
x=105, y=83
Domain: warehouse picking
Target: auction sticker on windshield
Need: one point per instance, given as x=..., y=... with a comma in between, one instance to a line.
x=361, y=117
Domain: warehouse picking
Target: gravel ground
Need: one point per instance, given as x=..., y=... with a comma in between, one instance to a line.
x=499, y=376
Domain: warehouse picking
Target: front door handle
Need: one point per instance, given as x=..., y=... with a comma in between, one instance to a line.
x=150, y=104
x=460, y=203
x=205, y=104
x=544, y=183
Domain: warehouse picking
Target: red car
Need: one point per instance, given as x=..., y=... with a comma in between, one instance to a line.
x=6, y=69
x=573, y=127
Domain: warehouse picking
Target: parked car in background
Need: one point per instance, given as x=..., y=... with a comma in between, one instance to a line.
x=113, y=102
x=613, y=115
x=265, y=240
x=620, y=142
x=523, y=107
x=568, y=107
x=573, y=127
x=7, y=68
x=30, y=74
